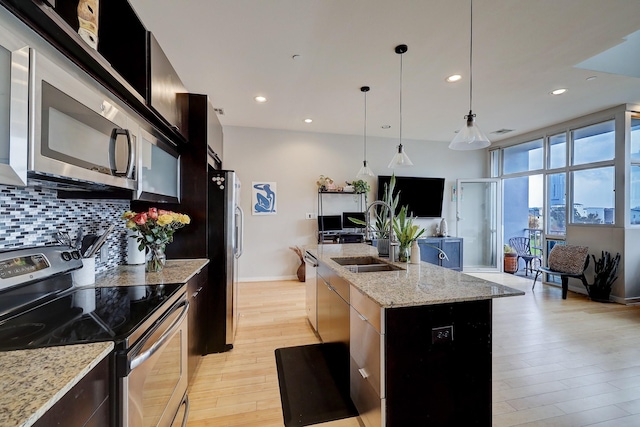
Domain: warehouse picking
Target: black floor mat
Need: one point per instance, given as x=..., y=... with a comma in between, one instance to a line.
x=314, y=384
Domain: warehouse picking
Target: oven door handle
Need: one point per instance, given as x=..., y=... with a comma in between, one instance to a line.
x=145, y=355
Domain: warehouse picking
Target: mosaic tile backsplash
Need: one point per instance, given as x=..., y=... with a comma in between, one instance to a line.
x=29, y=216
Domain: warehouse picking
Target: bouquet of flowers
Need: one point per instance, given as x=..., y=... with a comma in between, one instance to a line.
x=155, y=230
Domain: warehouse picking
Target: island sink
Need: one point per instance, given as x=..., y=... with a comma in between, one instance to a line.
x=372, y=268
x=366, y=264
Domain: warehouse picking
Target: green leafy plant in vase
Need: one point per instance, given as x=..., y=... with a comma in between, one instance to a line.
x=406, y=232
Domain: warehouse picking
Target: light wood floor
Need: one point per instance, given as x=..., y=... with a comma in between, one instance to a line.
x=556, y=362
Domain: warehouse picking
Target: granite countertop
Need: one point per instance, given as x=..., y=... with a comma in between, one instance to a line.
x=32, y=381
x=415, y=285
x=175, y=271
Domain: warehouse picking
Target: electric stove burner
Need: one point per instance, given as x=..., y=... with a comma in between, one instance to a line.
x=14, y=333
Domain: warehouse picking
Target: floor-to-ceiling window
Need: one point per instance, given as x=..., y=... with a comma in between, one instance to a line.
x=565, y=176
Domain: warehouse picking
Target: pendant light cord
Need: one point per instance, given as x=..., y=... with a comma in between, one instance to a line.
x=365, y=126
x=471, y=58
x=401, y=98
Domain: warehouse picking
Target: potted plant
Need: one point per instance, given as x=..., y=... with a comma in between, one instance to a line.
x=406, y=233
x=510, y=260
x=361, y=186
x=605, y=273
x=380, y=225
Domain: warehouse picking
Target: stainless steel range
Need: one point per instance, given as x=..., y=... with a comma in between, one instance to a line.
x=41, y=307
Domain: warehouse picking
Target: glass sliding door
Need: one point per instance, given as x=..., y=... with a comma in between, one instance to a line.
x=478, y=222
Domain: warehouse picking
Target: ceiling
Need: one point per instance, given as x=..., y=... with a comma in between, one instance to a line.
x=234, y=50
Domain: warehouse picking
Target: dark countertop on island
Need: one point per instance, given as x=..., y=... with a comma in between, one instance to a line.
x=414, y=285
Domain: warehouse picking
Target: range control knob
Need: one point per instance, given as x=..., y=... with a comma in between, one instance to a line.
x=75, y=255
x=66, y=256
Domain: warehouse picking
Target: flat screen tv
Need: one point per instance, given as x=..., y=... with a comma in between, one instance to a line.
x=346, y=222
x=423, y=196
x=329, y=222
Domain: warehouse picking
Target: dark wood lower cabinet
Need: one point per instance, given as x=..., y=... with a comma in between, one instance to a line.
x=196, y=294
x=86, y=404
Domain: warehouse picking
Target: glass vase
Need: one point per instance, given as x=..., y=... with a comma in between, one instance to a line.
x=404, y=252
x=156, y=259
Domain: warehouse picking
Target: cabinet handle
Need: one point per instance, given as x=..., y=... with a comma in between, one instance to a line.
x=195, y=294
x=363, y=373
x=441, y=255
x=361, y=317
x=199, y=289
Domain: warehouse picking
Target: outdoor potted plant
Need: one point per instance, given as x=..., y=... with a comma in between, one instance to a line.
x=510, y=260
x=605, y=273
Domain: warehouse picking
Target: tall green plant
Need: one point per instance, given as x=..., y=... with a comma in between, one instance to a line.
x=406, y=231
x=381, y=215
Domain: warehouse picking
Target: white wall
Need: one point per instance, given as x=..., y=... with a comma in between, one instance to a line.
x=295, y=160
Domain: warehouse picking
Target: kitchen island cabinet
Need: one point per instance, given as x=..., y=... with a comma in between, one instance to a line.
x=333, y=306
x=420, y=341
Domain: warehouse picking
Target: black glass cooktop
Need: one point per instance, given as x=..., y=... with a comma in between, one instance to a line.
x=84, y=315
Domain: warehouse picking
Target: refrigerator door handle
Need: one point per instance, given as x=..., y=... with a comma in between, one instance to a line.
x=239, y=233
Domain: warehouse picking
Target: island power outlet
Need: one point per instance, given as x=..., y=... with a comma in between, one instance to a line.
x=441, y=335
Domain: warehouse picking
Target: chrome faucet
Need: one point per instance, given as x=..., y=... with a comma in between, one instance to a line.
x=392, y=240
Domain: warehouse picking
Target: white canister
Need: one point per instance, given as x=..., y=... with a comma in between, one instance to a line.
x=87, y=274
x=415, y=253
x=444, y=232
x=134, y=255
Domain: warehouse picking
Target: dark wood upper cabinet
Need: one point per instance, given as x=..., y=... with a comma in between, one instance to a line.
x=122, y=60
x=165, y=93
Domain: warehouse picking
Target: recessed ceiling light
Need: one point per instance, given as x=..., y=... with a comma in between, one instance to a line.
x=308, y=120
x=453, y=78
x=386, y=126
x=591, y=78
x=260, y=99
x=558, y=91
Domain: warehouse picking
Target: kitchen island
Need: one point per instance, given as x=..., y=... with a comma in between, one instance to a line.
x=419, y=337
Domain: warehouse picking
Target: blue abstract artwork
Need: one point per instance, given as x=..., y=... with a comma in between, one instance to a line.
x=264, y=198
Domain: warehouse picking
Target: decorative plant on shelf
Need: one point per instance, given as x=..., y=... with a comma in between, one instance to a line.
x=325, y=183
x=406, y=232
x=361, y=186
x=605, y=273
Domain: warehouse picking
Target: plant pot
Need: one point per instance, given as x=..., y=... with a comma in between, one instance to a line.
x=510, y=263
x=383, y=247
x=301, y=272
x=599, y=295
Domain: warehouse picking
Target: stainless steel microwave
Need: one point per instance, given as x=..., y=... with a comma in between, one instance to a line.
x=78, y=130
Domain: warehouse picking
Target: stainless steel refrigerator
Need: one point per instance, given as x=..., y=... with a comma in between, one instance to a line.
x=224, y=241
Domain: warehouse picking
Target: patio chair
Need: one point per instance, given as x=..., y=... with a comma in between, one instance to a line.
x=523, y=248
x=566, y=261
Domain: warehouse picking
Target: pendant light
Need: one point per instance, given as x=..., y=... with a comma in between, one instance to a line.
x=365, y=170
x=470, y=137
x=400, y=159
